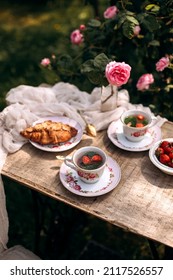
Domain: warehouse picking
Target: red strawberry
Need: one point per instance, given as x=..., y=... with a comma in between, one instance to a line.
x=171, y=155
x=139, y=125
x=170, y=164
x=164, y=158
x=140, y=117
x=167, y=149
x=159, y=151
x=86, y=160
x=164, y=144
x=96, y=158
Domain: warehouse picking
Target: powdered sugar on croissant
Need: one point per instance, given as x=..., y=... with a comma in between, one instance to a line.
x=49, y=132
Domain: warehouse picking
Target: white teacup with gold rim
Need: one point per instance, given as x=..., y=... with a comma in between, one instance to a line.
x=89, y=162
x=136, y=124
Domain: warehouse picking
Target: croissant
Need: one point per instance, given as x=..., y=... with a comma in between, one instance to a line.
x=49, y=132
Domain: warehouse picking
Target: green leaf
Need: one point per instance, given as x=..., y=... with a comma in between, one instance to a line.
x=95, y=77
x=128, y=28
x=151, y=23
x=121, y=17
x=120, y=22
x=116, y=27
x=129, y=13
x=152, y=8
x=154, y=43
x=65, y=61
x=94, y=23
x=168, y=88
x=101, y=61
x=133, y=20
x=65, y=65
x=87, y=66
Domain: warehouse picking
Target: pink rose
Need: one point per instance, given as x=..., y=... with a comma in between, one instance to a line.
x=136, y=30
x=162, y=64
x=110, y=12
x=144, y=81
x=76, y=37
x=82, y=27
x=45, y=62
x=117, y=73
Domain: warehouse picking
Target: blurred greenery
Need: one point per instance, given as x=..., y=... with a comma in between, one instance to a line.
x=29, y=31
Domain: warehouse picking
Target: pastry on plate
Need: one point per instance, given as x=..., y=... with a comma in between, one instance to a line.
x=49, y=132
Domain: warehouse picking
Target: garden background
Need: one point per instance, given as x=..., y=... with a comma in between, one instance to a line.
x=30, y=31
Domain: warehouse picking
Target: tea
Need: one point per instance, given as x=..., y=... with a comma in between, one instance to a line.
x=90, y=161
x=136, y=121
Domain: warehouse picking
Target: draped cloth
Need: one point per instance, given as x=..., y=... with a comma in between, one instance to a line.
x=26, y=104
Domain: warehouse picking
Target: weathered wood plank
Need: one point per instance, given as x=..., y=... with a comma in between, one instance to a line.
x=142, y=202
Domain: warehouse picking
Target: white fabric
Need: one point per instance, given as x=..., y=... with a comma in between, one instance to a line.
x=27, y=104
x=18, y=252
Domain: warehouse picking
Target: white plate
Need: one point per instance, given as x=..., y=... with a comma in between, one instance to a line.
x=155, y=161
x=115, y=134
x=109, y=180
x=62, y=146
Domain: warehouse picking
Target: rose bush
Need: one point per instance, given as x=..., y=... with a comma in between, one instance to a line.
x=136, y=33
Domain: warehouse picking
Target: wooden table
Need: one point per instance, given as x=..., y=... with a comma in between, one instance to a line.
x=142, y=202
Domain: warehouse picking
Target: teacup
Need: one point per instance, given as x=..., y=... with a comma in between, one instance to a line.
x=136, y=134
x=77, y=162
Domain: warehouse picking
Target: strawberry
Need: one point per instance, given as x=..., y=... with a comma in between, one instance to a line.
x=171, y=155
x=164, y=144
x=139, y=125
x=170, y=164
x=140, y=117
x=86, y=160
x=167, y=149
x=164, y=158
x=96, y=158
x=159, y=151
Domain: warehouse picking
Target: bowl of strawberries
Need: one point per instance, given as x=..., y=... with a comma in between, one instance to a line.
x=161, y=155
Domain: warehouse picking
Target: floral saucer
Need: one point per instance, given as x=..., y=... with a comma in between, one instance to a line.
x=109, y=180
x=115, y=134
x=62, y=146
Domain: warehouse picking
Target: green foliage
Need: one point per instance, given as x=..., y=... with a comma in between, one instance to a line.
x=18, y=65
x=114, y=39
x=28, y=32
x=94, y=69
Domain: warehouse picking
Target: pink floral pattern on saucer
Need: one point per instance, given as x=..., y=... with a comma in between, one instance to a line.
x=109, y=180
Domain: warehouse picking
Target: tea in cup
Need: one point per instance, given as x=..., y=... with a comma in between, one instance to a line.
x=88, y=162
x=136, y=124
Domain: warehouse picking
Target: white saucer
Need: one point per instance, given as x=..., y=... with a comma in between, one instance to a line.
x=115, y=134
x=109, y=180
x=65, y=145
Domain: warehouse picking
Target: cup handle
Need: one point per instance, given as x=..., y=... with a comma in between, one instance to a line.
x=154, y=121
x=69, y=162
